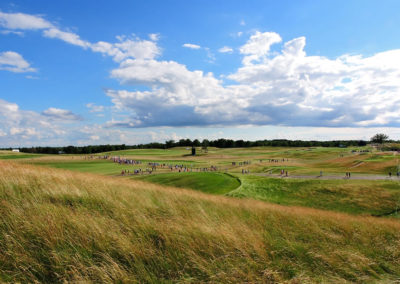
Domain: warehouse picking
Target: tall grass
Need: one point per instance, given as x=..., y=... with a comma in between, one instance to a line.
x=62, y=226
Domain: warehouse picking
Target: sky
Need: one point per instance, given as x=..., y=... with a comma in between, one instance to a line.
x=130, y=72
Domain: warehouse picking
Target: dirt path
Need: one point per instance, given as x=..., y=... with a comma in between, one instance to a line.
x=331, y=177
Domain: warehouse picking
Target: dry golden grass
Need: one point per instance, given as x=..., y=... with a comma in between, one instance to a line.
x=62, y=226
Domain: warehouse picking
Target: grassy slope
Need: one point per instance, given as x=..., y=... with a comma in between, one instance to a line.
x=59, y=225
x=216, y=183
x=92, y=166
x=350, y=196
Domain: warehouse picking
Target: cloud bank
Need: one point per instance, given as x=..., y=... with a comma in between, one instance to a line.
x=282, y=88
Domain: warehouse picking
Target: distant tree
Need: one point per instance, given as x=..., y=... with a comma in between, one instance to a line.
x=239, y=143
x=196, y=143
x=170, y=143
x=379, y=138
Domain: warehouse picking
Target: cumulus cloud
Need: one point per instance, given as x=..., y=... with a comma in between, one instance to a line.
x=22, y=126
x=14, y=62
x=60, y=114
x=258, y=46
x=225, y=49
x=191, y=46
x=22, y=21
x=286, y=88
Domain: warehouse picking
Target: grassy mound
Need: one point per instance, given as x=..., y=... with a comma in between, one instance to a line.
x=349, y=196
x=64, y=226
x=216, y=183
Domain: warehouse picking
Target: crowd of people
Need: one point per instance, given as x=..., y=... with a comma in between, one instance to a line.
x=244, y=163
x=121, y=161
x=277, y=160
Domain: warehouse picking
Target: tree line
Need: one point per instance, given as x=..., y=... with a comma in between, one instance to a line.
x=219, y=143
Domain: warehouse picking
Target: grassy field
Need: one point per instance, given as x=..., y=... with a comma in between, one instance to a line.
x=58, y=225
x=349, y=196
x=354, y=196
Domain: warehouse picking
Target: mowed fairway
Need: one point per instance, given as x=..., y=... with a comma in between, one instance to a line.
x=216, y=183
x=92, y=166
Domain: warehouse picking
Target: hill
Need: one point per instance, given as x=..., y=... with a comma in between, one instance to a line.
x=58, y=226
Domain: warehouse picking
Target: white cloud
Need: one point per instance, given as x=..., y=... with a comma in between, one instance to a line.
x=7, y=32
x=210, y=55
x=125, y=47
x=24, y=127
x=14, y=62
x=94, y=108
x=154, y=37
x=242, y=23
x=191, y=46
x=137, y=48
x=24, y=132
x=258, y=46
x=22, y=21
x=60, y=114
x=128, y=48
x=31, y=77
x=68, y=37
x=225, y=49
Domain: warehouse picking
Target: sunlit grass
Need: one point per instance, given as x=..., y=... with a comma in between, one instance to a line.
x=216, y=183
x=60, y=226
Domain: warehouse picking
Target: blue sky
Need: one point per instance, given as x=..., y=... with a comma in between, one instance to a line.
x=94, y=72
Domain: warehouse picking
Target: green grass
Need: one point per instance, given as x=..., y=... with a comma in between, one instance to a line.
x=350, y=196
x=215, y=183
x=380, y=158
x=94, y=166
x=7, y=155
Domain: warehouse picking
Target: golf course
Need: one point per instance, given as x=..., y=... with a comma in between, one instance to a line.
x=258, y=215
